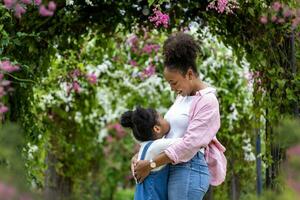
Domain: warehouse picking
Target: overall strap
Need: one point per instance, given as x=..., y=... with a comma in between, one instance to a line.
x=145, y=150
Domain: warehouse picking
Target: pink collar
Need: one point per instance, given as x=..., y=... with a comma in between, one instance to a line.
x=205, y=91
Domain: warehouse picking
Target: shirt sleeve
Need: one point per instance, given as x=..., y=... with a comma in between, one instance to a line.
x=159, y=146
x=202, y=128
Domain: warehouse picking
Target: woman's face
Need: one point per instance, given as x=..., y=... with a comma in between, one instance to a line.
x=179, y=83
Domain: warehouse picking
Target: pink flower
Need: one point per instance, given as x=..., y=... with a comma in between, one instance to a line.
x=293, y=151
x=295, y=22
x=25, y=197
x=109, y=139
x=9, y=3
x=8, y=193
x=19, y=10
x=3, y=109
x=264, y=20
x=1, y=76
x=222, y=5
x=5, y=83
x=119, y=129
x=276, y=6
x=75, y=73
x=92, y=78
x=76, y=87
x=37, y=2
x=106, y=151
x=149, y=71
x=52, y=6
x=45, y=12
x=287, y=13
x=133, y=63
x=26, y=1
x=281, y=20
x=159, y=18
x=274, y=18
x=8, y=67
x=149, y=48
x=2, y=92
x=132, y=40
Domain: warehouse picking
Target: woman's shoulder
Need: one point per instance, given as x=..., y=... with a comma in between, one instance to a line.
x=208, y=98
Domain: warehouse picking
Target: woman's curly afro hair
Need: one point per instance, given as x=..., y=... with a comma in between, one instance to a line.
x=180, y=52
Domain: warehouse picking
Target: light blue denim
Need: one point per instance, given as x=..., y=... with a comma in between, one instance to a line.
x=155, y=186
x=189, y=180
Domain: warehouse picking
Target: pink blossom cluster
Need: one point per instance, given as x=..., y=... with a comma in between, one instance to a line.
x=120, y=132
x=75, y=85
x=149, y=48
x=5, y=87
x=19, y=7
x=133, y=42
x=280, y=13
x=223, y=6
x=8, y=192
x=110, y=138
x=159, y=18
x=291, y=169
x=149, y=71
x=133, y=63
x=254, y=77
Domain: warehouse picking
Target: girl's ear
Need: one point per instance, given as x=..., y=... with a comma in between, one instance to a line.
x=156, y=128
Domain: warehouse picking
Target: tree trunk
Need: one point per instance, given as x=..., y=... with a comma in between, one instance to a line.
x=57, y=187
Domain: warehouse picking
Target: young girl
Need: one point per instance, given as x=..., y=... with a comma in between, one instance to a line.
x=149, y=128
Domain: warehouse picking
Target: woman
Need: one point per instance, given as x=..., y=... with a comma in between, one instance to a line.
x=194, y=117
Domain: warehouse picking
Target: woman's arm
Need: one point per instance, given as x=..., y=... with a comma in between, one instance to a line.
x=142, y=168
x=202, y=128
x=155, y=152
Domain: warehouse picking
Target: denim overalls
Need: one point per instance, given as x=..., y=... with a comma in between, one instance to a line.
x=155, y=186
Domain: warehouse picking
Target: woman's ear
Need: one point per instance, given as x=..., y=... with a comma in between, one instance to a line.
x=190, y=74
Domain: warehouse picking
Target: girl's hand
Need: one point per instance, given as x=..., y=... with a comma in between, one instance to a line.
x=134, y=160
x=142, y=170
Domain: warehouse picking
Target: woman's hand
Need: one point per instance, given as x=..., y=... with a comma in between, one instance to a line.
x=142, y=170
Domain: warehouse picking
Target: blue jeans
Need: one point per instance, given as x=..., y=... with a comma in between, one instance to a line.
x=190, y=180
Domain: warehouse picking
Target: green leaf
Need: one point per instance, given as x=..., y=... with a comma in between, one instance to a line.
x=162, y=1
x=290, y=94
x=251, y=11
x=281, y=83
x=150, y=2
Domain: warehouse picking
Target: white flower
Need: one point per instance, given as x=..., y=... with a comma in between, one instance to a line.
x=69, y=2
x=89, y=2
x=102, y=134
x=247, y=148
x=78, y=117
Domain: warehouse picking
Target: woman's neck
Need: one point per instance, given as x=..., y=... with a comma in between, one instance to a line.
x=198, y=85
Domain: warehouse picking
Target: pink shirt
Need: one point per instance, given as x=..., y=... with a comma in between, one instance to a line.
x=204, y=123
